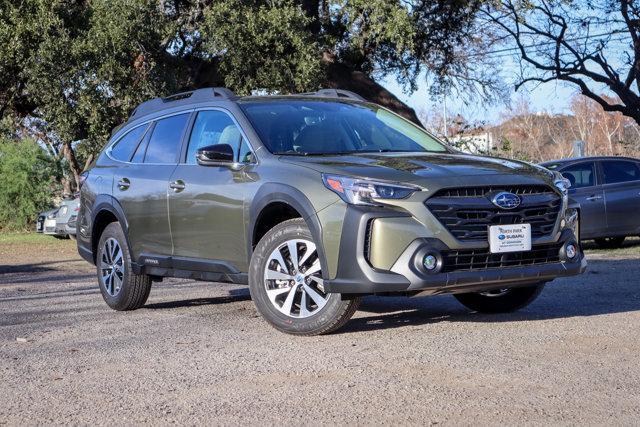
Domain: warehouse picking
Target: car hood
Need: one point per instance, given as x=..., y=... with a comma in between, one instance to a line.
x=421, y=168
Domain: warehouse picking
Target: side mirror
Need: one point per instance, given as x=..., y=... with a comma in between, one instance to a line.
x=215, y=155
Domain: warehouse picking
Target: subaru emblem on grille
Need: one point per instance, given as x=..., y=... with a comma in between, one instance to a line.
x=506, y=200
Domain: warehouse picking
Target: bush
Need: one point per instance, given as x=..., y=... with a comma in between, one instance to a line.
x=28, y=185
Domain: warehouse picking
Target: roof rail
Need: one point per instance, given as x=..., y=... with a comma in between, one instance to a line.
x=338, y=93
x=203, y=94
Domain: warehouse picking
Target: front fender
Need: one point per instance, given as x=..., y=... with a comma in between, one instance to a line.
x=276, y=192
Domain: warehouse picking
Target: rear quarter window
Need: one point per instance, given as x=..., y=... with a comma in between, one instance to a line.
x=616, y=171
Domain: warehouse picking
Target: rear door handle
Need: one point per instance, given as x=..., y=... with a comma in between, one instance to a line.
x=177, y=185
x=594, y=198
x=124, y=183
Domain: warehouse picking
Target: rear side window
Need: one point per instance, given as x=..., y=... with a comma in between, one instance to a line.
x=125, y=147
x=216, y=127
x=165, y=140
x=620, y=171
x=582, y=175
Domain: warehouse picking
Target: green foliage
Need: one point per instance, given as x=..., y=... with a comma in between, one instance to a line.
x=81, y=67
x=263, y=46
x=27, y=175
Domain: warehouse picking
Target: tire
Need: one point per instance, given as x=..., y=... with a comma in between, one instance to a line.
x=500, y=301
x=124, y=290
x=609, y=242
x=282, y=306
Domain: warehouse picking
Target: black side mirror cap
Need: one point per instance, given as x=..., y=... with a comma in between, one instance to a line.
x=215, y=155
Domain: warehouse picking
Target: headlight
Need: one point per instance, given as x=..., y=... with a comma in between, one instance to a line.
x=365, y=192
x=563, y=184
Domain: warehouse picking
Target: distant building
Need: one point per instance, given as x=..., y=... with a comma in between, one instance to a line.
x=480, y=143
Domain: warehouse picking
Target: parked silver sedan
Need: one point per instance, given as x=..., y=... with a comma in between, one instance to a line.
x=60, y=222
x=608, y=191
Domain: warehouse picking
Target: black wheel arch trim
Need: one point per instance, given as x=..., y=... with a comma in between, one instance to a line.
x=102, y=203
x=281, y=193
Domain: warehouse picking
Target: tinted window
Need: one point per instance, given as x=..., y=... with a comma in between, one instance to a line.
x=324, y=127
x=127, y=144
x=620, y=171
x=138, y=156
x=215, y=127
x=165, y=140
x=582, y=175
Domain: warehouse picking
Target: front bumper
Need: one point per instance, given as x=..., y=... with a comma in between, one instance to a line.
x=408, y=276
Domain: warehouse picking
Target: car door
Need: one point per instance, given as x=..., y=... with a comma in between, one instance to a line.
x=141, y=186
x=621, y=184
x=586, y=191
x=206, y=203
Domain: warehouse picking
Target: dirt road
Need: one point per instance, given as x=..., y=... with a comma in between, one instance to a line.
x=199, y=353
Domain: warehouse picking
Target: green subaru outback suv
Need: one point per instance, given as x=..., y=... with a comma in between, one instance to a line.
x=314, y=201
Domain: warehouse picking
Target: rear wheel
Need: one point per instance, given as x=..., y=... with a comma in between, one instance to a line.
x=500, y=300
x=285, y=280
x=609, y=242
x=121, y=288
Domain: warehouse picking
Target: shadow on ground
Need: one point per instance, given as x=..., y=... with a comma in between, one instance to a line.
x=33, y=268
x=609, y=286
x=235, y=295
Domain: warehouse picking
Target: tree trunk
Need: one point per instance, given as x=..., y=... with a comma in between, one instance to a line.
x=340, y=76
x=70, y=155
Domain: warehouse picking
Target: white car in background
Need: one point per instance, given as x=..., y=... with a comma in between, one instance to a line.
x=60, y=222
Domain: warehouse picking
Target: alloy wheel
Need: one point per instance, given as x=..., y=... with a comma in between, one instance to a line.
x=112, y=266
x=293, y=279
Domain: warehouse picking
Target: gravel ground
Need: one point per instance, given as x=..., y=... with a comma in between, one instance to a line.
x=198, y=353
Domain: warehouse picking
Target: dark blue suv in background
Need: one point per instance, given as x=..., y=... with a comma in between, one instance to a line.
x=608, y=191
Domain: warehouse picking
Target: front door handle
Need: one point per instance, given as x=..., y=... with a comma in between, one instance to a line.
x=177, y=185
x=124, y=183
x=593, y=198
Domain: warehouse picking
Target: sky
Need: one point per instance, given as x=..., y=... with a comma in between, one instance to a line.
x=553, y=97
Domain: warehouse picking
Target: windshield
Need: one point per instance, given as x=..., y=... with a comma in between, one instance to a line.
x=313, y=127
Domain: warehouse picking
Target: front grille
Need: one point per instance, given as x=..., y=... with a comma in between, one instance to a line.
x=482, y=259
x=467, y=212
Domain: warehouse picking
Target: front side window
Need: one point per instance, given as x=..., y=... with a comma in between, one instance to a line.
x=620, y=171
x=124, y=148
x=216, y=127
x=308, y=127
x=165, y=140
x=582, y=175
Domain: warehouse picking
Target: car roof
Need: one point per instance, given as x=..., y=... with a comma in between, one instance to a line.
x=221, y=94
x=587, y=158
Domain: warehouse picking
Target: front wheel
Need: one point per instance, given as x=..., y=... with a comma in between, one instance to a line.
x=286, y=285
x=500, y=300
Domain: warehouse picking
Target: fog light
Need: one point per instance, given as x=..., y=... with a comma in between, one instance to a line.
x=430, y=262
x=571, y=250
